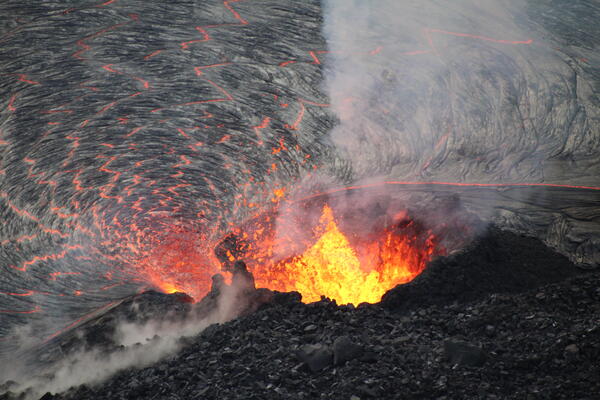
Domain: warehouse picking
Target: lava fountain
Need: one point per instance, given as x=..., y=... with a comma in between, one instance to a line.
x=350, y=256
x=334, y=268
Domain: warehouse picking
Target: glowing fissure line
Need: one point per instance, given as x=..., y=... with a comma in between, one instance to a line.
x=224, y=139
x=264, y=124
x=24, y=213
x=206, y=37
x=427, y=32
x=23, y=78
x=182, y=133
x=457, y=184
x=11, y=102
x=34, y=310
x=134, y=131
x=105, y=3
x=104, y=168
x=18, y=211
x=89, y=315
x=74, y=147
x=173, y=189
x=51, y=231
x=314, y=57
x=77, y=182
x=316, y=61
x=56, y=112
x=31, y=174
x=145, y=83
x=86, y=47
x=184, y=161
x=46, y=257
x=198, y=71
x=235, y=14
x=285, y=63
x=300, y=116
x=60, y=214
x=27, y=293
x=54, y=275
x=487, y=39
x=25, y=238
x=112, y=285
x=154, y=53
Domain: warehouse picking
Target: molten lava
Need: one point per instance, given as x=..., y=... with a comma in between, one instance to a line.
x=363, y=272
x=314, y=253
x=178, y=264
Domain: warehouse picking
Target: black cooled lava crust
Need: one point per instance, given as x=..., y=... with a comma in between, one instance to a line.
x=522, y=339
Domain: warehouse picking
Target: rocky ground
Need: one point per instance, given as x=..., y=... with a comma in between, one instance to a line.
x=537, y=336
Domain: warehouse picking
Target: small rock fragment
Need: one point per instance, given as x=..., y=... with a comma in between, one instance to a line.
x=572, y=349
x=463, y=353
x=316, y=356
x=344, y=349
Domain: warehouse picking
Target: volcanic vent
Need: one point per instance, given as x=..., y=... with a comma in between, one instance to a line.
x=350, y=246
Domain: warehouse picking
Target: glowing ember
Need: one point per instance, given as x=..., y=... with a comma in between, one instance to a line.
x=349, y=274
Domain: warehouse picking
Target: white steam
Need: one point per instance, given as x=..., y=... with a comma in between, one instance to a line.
x=141, y=346
x=462, y=91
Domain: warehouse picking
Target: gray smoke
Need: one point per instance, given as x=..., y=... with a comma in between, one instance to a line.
x=492, y=91
x=463, y=91
x=140, y=345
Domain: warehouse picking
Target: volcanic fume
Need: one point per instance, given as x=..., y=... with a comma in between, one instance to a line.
x=151, y=144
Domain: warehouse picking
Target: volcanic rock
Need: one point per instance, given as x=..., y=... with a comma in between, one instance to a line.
x=530, y=349
x=286, y=298
x=316, y=356
x=344, y=349
x=572, y=348
x=246, y=357
x=459, y=352
x=498, y=262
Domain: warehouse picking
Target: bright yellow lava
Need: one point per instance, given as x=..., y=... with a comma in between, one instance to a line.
x=332, y=267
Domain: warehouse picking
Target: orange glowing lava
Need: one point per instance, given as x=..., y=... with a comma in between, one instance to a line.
x=315, y=254
x=178, y=264
x=335, y=268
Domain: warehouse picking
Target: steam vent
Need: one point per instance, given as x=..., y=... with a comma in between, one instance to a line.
x=299, y=199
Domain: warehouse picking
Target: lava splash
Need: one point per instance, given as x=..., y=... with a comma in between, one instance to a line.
x=334, y=268
x=319, y=253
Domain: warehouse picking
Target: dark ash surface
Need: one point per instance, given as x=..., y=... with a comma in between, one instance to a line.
x=530, y=340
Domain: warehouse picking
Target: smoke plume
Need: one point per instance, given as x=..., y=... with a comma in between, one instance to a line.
x=462, y=91
x=136, y=344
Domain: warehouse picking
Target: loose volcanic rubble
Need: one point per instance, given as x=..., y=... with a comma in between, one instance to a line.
x=515, y=338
